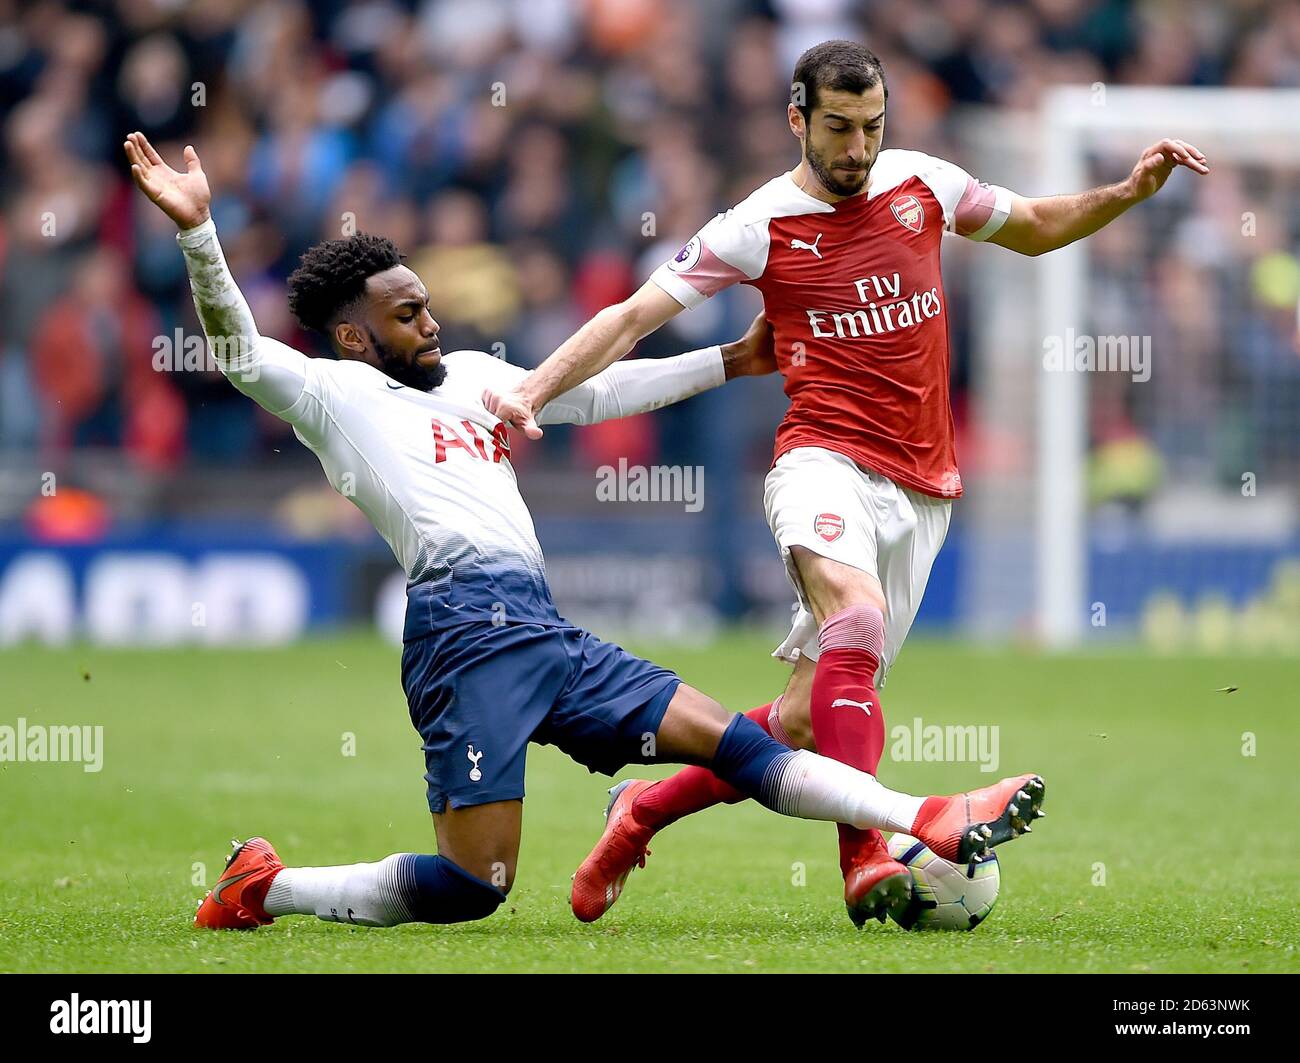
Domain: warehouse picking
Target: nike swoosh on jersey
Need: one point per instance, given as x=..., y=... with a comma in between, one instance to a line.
x=395, y=387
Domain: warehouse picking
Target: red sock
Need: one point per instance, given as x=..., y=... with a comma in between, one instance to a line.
x=852, y=731
x=851, y=641
x=692, y=789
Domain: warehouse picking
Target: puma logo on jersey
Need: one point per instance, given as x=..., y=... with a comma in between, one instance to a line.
x=799, y=245
x=865, y=706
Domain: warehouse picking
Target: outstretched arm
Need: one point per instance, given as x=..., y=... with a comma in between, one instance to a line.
x=264, y=369
x=1036, y=226
x=603, y=340
x=631, y=387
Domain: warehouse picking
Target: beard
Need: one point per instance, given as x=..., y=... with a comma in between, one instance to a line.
x=827, y=177
x=411, y=374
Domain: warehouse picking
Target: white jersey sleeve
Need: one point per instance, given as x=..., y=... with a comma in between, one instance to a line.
x=734, y=247
x=728, y=250
x=281, y=380
x=625, y=388
x=431, y=470
x=637, y=386
x=971, y=208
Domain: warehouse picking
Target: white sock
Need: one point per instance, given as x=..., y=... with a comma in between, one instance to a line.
x=366, y=894
x=810, y=786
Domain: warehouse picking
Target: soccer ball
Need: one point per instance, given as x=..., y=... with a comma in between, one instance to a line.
x=945, y=896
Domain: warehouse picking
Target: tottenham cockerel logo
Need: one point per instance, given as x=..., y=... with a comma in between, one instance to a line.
x=909, y=212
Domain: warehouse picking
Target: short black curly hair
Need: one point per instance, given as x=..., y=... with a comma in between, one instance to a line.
x=331, y=277
x=844, y=65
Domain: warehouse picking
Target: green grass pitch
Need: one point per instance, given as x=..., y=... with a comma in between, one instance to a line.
x=1166, y=848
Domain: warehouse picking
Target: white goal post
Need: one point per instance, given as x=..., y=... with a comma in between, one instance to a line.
x=1245, y=125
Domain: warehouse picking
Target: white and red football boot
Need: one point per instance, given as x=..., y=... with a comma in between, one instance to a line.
x=874, y=882
x=964, y=827
x=236, y=902
x=600, y=878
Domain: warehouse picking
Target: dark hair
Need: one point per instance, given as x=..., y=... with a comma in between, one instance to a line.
x=844, y=65
x=332, y=276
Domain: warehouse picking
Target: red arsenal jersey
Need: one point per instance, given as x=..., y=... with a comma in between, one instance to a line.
x=855, y=299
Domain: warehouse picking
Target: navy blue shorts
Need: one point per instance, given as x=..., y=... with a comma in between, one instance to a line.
x=480, y=692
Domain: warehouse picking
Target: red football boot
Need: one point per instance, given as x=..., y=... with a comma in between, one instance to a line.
x=964, y=827
x=598, y=882
x=874, y=882
x=236, y=902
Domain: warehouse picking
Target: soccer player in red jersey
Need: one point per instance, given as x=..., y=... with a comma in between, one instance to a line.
x=845, y=250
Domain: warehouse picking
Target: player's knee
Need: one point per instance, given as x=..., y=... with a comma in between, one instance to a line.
x=499, y=873
x=860, y=593
x=692, y=727
x=480, y=901
x=834, y=587
x=864, y=617
x=702, y=728
x=860, y=626
x=451, y=894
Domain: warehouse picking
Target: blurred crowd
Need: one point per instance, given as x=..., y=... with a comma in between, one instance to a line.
x=534, y=159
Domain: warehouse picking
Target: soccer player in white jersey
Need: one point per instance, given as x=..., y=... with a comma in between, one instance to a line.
x=488, y=665
x=845, y=250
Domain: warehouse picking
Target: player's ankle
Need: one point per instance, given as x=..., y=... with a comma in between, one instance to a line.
x=930, y=808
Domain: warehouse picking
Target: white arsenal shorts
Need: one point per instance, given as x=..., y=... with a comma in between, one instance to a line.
x=830, y=505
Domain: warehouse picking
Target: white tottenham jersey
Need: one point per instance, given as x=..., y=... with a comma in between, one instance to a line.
x=430, y=469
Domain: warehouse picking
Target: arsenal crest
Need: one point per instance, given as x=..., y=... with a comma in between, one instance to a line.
x=830, y=526
x=909, y=212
